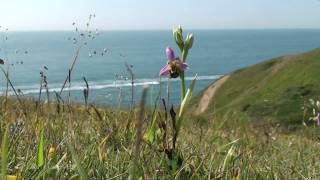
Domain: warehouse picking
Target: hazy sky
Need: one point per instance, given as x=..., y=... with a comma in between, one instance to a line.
x=160, y=14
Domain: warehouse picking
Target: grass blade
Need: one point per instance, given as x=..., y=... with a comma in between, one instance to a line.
x=150, y=136
x=4, y=154
x=40, y=151
x=136, y=150
x=229, y=158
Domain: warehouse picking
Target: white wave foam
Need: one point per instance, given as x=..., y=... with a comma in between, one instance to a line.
x=79, y=86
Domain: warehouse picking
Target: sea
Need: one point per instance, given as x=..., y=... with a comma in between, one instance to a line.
x=109, y=60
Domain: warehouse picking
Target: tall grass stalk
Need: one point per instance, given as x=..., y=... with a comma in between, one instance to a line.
x=139, y=124
x=119, y=97
x=130, y=71
x=6, y=93
x=40, y=91
x=76, y=57
x=14, y=90
x=86, y=91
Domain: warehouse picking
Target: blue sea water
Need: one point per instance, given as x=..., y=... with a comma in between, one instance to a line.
x=215, y=52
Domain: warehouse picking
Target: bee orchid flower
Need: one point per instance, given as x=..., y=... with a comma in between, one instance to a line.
x=174, y=65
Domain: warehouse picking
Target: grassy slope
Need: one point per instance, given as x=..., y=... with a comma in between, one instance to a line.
x=272, y=91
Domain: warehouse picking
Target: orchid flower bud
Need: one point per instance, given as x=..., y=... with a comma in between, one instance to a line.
x=189, y=41
x=179, y=29
x=177, y=33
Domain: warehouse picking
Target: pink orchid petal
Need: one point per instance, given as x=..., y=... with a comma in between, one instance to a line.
x=183, y=66
x=165, y=70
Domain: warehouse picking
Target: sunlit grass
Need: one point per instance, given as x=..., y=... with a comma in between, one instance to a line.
x=104, y=148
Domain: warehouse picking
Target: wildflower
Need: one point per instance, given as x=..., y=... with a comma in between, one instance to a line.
x=318, y=119
x=174, y=65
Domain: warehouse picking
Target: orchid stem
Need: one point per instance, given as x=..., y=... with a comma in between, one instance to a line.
x=183, y=86
x=184, y=55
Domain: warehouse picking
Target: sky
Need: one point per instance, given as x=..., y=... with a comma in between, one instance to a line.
x=27, y=15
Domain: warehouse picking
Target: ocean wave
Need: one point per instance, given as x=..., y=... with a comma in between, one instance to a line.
x=79, y=85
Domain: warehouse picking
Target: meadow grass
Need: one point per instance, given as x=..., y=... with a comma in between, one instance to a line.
x=97, y=143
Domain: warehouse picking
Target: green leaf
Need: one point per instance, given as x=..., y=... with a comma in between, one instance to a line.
x=40, y=151
x=185, y=101
x=151, y=132
x=229, y=158
x=4, y=154
x=150, y=136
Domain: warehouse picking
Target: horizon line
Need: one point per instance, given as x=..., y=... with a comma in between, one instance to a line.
x=197, y=29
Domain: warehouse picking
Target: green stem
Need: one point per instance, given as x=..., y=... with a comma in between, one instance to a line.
x=184, y=55
x=183, y=86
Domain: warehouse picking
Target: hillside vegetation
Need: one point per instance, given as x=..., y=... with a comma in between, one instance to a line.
x=271, y=92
